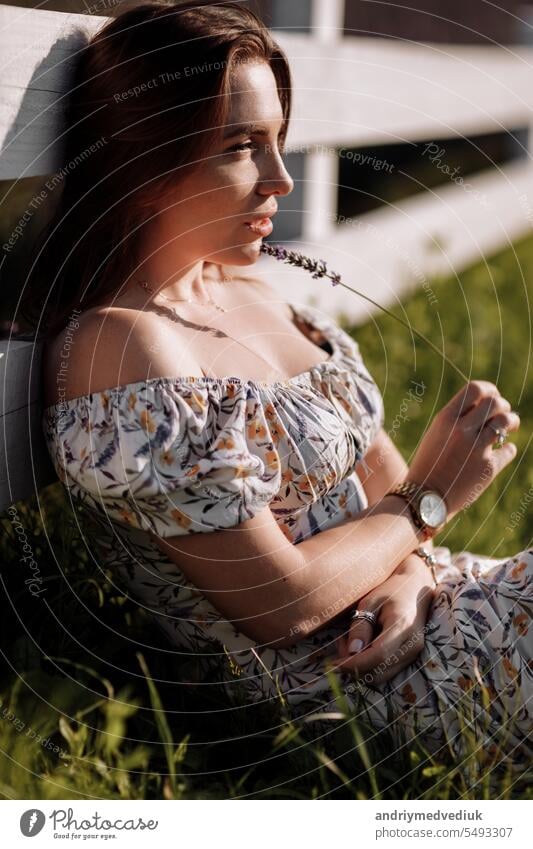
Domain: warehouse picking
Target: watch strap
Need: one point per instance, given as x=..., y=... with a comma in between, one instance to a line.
x=411, y=492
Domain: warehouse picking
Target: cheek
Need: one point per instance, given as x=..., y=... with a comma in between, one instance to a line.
x=229, y=202
x=217, y=196
x=236, y=179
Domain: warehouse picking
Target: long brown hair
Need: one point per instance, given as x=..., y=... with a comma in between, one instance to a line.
x=135, y=122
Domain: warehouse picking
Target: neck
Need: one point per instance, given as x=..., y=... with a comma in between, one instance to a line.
x=194, y=283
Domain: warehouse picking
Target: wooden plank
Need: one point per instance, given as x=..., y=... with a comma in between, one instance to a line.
x=352, y=92
x=19, y=374
x=25, y=465
x=363, y=91
x=38, y=48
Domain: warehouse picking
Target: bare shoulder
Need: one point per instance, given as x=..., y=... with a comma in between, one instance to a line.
x=110, y=347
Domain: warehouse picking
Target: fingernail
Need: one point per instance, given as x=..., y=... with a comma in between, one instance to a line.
x=355, y=646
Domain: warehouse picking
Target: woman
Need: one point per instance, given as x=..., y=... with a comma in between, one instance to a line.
x=230, y=446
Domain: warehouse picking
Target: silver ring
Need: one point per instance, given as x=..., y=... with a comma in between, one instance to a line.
x=501, y=436
x=364, y=614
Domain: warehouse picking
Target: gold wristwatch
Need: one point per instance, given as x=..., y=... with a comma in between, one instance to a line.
x=428, y=508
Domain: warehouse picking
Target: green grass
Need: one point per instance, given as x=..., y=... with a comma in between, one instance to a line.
x=122, y=726
x=482, y=320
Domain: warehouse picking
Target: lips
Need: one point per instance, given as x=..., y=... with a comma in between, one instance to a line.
x=262, y=225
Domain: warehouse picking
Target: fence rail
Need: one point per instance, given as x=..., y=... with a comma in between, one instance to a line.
x=348, y=93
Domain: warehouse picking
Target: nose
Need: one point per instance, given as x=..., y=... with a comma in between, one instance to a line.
x=276, y=180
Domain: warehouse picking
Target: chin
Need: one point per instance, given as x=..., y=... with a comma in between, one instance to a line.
x=243, y=255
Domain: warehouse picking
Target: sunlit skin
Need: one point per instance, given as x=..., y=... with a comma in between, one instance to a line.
x=204, y=222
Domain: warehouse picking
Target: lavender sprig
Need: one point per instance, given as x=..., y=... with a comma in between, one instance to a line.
x=320, y=269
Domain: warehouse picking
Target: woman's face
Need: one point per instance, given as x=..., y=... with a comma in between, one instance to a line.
x=238, y=180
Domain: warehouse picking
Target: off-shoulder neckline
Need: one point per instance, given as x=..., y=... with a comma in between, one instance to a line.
x=325, y=325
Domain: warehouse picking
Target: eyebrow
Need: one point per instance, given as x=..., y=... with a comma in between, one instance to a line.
x=247, y=129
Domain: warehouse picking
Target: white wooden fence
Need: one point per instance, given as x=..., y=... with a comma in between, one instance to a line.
x=348, y=92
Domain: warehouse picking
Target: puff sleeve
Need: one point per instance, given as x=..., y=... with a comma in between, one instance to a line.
x=166, y=455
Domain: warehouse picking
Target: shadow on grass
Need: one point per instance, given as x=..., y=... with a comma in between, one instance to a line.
x=96, y=704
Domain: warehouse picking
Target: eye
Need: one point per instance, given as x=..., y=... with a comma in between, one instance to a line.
x=249, y=145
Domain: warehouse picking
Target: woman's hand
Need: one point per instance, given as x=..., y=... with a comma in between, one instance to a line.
x=402, y=605
x=456, y=456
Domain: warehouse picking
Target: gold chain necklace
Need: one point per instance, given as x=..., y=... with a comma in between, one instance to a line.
x=145, y=285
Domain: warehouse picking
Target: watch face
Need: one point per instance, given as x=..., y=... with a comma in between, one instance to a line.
x=432, y=509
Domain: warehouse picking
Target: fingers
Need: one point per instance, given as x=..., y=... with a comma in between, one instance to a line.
x=392, y=647
x=487, y=408
x=498, y=459
x=376, y=663
x=359, y=635
x=510, y=422
x=367, y=658
x=470, y=395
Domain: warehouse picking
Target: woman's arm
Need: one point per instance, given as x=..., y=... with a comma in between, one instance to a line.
x=402, y=604
x=403, y=600
x=381, y=469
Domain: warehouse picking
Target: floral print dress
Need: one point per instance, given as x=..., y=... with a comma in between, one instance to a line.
x=185, y=455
